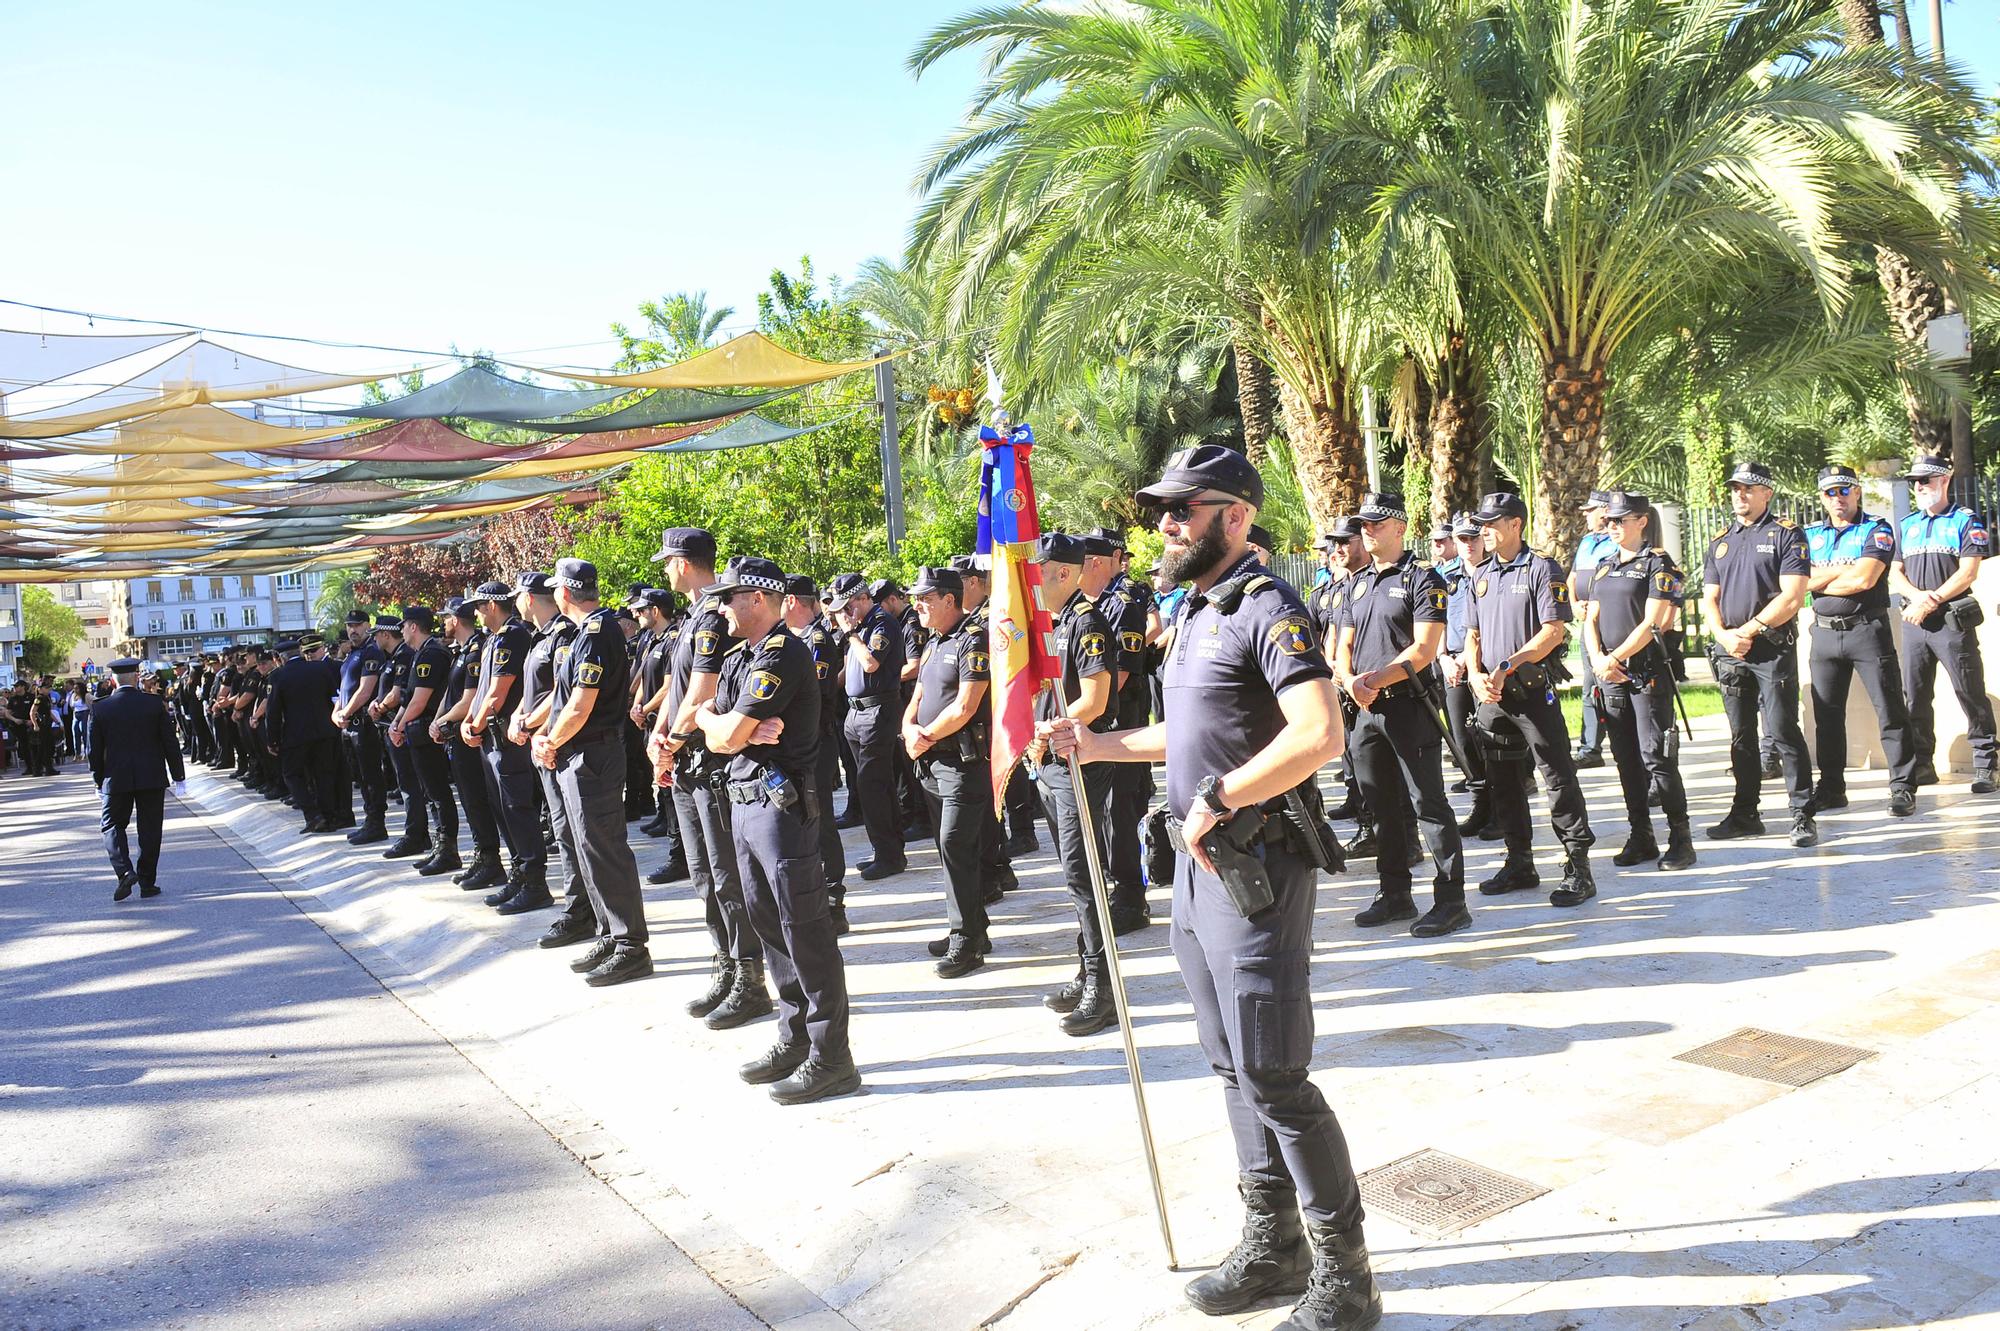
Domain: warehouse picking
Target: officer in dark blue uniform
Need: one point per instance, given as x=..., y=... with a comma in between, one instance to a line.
x=535, y=598
x=505, y=768
x=1253, y=718
x=1851, y=552
x=1753, y=586
x=1018, y=803
x=889, y=594
x=1342, y=548
x=1596, y=544
x=583, y=745
x=300, y=718
x=947, y=733
x=132, y=757
x=1125, y=607
x=1513, y=653
x=803, y=618
x=653, y=668
x=1634, y=593
x=765, y=716
x=1459, y=574
x=1942, y=545
x=360, y=677
x=468, y=768
x=1084, y=648
x=873, y=677
x=428, y=673
x=387, y=710
x=1390, y=627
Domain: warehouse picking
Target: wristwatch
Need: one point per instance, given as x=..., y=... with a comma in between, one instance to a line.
x=1209, y=791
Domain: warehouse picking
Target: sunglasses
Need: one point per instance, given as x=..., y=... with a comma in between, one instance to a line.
x=1183, y=511
x=1838, y=491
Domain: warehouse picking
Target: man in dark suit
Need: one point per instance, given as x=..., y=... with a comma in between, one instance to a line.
x=300, y=719
x=132, y=750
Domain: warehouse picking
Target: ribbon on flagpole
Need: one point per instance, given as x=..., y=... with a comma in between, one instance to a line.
x=1021, y=639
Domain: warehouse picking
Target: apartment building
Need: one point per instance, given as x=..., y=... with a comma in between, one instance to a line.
x=171, y=618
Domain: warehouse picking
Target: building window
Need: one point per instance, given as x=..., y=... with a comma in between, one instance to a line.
x=246, y=585
x=249, y=617
x=187, y=591
x=187, y=621
x=155, y=625
x=154, y=594
x=290, y=582
x=218, y=619
x=6, y=617
x=215, y=592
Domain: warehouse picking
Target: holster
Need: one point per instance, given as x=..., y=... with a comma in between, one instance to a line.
x=1235, y=848
x=1964, y=614
x=1160, y=848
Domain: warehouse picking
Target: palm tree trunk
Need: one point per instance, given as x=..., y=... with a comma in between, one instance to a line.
x=1253, y=397
x=1455, y=427
x=1572, y=449
x=1327, y=449
x=1863, y=20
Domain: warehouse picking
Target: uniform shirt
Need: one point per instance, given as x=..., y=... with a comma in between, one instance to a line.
x=914, y=636
x=538, y=672
x=505, y=656
x=1592, y=550
x=1623, y=589
x=364, y=662
x=1746, y=560
x=594, y=659
x=1512, y=600
x=1932, y=545
x=773, y=676
x=430, y=668
x=823, y=640
x=704, y=640
x=1828, y=546
x=467, y=659
x=656, y=660
x=1083, y=645
x=955, y=658
x=1384, y=605
x=1223, y=677
x=1171, y=606
x=1126, y=612
x=1324, y=603
x=396, y=675
x=882, y=636
x=1458, y=581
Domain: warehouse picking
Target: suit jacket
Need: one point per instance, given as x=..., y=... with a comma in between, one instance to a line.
x=132, y=742
x=301, y=708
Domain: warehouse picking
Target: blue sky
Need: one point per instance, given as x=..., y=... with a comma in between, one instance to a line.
x=508, y=176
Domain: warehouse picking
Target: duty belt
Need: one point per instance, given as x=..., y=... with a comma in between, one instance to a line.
x=866, y=703
x=1841, y=623
x=746, y=792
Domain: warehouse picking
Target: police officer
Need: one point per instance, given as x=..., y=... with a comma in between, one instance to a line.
x=535, y=599
x=1391, y=624
x=1125, y=607
x=1595, y=544
x=1083, y=646
x=388, y=704
x=765, y=716
x=1017, y=800
x=1460, y=572
x=660, y=634
x=1942, y=545
x=873, y=676
x=895, y=603
x=946, y=732
x=1851, y=552
x=360, y=677
x=133, y=758
x=1634, y=592
x=583, y=746
x=468, y=768
x=301, y=720
x=1253, y=717
x=429, y=673
x=1753, y=584
x=1342, y=548
x=736, y=991
x=1512, y=651
x=803, y=618
x=506, y=770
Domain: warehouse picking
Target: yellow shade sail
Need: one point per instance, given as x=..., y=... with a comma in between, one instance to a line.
x=202, y=429
x=139, y=492
x=54, y=427
x=749, y=361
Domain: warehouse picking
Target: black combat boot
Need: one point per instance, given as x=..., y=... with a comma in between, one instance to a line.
x=1578, y=886
x=747, y=1000
x=444, y=860
x=407, y=845
x=531, y=892
x=1341, y=1293
x=484, y=871
x=673, y=871
x=721, y=978
x=778, y=1062
x=1065, y=999
x=1639, y=847
x=1270, y=1259
x=1363, y=845
x=1095, y=1008
x=1680, y=847
x=368, y=833
x=1515, y=875
x=1387, y=908
x=836, y=910
x=962, y=956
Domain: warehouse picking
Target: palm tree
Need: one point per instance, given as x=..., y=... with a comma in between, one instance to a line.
x=1601, y=168
x=1175, y=157
x=678, y=326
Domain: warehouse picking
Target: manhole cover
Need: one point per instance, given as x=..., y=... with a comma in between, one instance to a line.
x=1439, y=1195
x=1785, y=1059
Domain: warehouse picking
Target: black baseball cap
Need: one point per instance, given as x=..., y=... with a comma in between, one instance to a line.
x=941, y=581
x=1060, y=548
x=691, y=542
x=1205, y=467
x=1500, y=504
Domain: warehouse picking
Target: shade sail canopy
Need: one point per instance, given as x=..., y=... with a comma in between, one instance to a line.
x=405, y=441
x=749, y=361
x=27, y=359
x=480, y=394
x=223, y=374
x=745, y=432
x=195, y=430
x=672, y=406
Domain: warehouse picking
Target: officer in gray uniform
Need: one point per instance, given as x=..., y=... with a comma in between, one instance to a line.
x=1942, y=545
x=873, y=676
x=1253, y=719
x=1851, y=552
x=765, y=717
x=803, y=618
x=1753, y=585
x=584, y=745
x=535, y=598
x=506, y=768
x=1391, y=625
x=946, y=732
x=1459, y=574
x=1513, y=652
x=1125, y=606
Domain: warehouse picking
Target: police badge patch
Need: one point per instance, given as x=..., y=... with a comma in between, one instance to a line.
x=1128, y=641
x=1291, y=635
x=1479, y=588
x=588, y=674
x=501, y=656
x=977, y=660
x=705, y=642
x=1091, y=644
x=763, y=685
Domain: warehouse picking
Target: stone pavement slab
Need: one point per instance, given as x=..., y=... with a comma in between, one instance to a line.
x=215, y=1117
x=990, y=1172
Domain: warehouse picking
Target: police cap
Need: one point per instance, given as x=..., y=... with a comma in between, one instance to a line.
x=941, y=581
x=883, y=587
x=1261, y=537
x=848, y=586
x=801, y=586
x=1060, y=548
x=1832, y=474
x=357, y=617
x=1205, y=467
x=1381, y=507
x=689, y=542
x=1752, y=473
x=1625, y=503
x=1500, y=504
x=1928, y=466
x=497, y=592
x=421, y=615
x=383, y=624
x=1093, y=544
x=1598, y=499
x=536, y=584
x=750, y=573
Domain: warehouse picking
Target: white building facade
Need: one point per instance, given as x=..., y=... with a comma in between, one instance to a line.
x=172, y=618
x=10, y=633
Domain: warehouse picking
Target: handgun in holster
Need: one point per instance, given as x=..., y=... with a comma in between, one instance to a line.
x=1305, y=814
x=1234, y=848
x=1160, y=850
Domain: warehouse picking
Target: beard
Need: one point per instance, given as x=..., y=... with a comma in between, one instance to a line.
x=1201, y=556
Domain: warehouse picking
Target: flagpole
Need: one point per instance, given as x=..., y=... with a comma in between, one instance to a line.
x=1102, y=901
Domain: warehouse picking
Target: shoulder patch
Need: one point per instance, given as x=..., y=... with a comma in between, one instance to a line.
x=975, y=659
x=1788, y=524
x=1561, y=590
x=706, y=641
x=1090, y=644
x=501, y=656
x=1291, y=635
x=1128, y=641
x=588, y=674
x=764, y=685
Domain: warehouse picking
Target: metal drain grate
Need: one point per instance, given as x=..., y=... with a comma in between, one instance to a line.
x=1439, y=1195
x=1785, y=1059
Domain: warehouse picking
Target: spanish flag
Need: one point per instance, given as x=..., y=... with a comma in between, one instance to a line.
x=1021, y=641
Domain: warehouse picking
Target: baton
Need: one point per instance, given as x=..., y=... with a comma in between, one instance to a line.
x=1433, y=708
x=1674, y=687
x=1102, y=900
